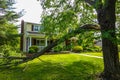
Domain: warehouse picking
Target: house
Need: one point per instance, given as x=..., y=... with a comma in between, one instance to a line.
x=31, y=35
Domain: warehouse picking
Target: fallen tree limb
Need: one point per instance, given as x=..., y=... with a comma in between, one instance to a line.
x=78, y=30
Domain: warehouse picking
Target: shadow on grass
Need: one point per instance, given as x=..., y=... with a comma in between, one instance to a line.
x=80, y=70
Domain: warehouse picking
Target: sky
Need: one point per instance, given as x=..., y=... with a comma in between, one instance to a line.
x=32, y=10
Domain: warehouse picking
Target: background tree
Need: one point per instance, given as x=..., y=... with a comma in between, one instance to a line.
x=8, y=30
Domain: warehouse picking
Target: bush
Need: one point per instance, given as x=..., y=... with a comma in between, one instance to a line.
x=77, y=49
x=94, y=49
x=97, y=48
x=58, y=48
x=33, y=49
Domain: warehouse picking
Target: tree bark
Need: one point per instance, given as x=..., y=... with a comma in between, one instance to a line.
x=107, y=19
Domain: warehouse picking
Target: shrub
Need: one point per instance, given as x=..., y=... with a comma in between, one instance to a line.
x=90, y=49
x=77, y=48
x=94, y=49
x=33, y=49
x=58, y=48
x=97, y=48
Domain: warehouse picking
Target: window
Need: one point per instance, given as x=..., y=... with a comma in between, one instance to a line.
x=35, y=28
x=40, y=42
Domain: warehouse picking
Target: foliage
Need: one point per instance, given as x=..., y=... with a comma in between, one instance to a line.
x=94, y=49
x=119, y=48
x=97, y=48
x=8, y=31
x=86, y=40
x=5, y=52
x=7, y=12
x=77, y=48
x=58, y=48
x=60, y=17
x=33, y=49
x=68, y=47
x=118, y=34
x=55, y=67
x=10, y=51
x=9, y=35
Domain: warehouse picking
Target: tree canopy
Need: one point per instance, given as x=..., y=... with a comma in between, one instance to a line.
x=62, y=14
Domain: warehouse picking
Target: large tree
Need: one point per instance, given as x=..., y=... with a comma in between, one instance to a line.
x=106, y=18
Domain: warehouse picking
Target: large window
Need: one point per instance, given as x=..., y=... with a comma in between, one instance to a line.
x=36, y=28
x=40, y=42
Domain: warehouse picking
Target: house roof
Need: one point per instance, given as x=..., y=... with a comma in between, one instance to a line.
x=33, y=32
x=32, y=23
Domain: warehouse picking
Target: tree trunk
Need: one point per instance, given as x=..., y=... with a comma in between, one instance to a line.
x=107, y=19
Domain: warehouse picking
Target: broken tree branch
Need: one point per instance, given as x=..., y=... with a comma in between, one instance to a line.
x=78, y=30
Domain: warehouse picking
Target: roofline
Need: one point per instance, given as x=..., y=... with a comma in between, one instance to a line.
x=31, y=22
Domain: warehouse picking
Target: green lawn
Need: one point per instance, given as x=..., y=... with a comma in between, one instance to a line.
x=55, y=67
x=95, y=53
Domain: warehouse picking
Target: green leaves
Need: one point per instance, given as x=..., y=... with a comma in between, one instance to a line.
x=8, y=31
x=8, y=14
x=8, y=34
x=60, y=16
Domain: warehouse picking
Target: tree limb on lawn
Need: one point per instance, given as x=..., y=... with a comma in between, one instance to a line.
x=78, y=30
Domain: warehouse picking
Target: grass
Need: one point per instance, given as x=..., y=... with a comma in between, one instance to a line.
x=96, y=54
x=55, y=67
